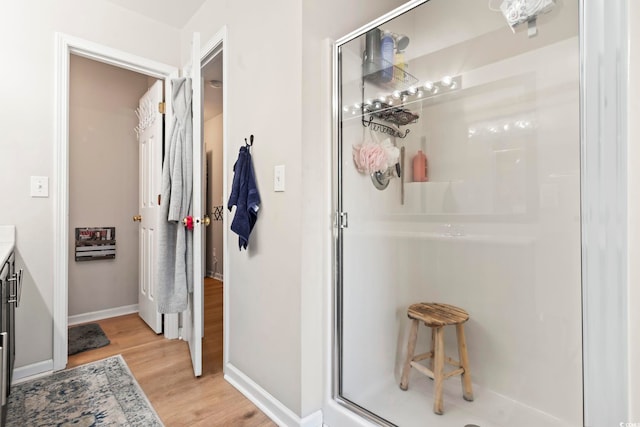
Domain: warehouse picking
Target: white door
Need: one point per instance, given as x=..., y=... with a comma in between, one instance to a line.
x=150, y=169
x=194, y=323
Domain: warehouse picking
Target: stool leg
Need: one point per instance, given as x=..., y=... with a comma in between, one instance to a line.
x=433, y=348
x=467, y=391
x=438, y=369
x=411, y=347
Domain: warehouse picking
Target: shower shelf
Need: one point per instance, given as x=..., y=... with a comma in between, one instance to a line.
x=382, y=128
x=397, y=81
x=396, y=115
x=400, y=79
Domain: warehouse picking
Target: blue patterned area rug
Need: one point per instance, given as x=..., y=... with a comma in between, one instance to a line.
x=102, y=393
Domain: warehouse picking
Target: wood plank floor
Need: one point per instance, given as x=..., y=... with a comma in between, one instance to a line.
x=163, y=370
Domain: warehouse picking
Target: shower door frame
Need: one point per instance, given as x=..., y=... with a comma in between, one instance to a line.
x=604, y=83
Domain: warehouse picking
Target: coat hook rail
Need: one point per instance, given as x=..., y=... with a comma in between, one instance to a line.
x=250, y=143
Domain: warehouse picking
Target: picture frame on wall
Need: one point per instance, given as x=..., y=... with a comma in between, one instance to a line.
x=95, y=243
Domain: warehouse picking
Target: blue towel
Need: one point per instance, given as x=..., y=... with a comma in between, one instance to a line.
x=245, y=196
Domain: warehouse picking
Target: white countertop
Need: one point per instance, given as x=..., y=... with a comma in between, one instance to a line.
x=7, y=241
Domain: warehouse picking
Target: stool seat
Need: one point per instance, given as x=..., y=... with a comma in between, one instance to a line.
x=437, y=316
x=434, y=314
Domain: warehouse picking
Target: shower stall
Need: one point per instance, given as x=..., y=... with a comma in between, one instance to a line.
x=457, y=181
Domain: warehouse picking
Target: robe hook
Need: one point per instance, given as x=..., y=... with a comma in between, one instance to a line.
x=250, y=143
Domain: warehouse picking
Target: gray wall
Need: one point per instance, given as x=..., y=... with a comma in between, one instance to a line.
x=263, y=81
x=278, y=88
x=27, y=36
x=103, y=181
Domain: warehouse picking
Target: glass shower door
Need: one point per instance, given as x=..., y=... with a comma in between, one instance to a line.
x=459, y=173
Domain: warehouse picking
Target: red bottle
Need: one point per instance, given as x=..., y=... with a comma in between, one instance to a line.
x=420, y=167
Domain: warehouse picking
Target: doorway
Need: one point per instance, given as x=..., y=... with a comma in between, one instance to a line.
x=102, y=103
x=65, y=47
x=212, y=120
x=94, y=89
x=213, y=138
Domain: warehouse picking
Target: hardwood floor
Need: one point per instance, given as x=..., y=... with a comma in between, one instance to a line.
x=163, y=370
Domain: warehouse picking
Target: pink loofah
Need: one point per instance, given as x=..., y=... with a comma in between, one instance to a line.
x=369, y=158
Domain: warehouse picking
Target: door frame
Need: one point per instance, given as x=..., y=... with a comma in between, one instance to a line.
x=65, y=46
x=207, y=52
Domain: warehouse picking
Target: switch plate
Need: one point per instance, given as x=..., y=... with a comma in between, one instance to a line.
x=278, y=178
x=39, y=186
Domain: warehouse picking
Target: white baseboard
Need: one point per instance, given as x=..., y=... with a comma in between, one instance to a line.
x=35, y=370
x=336, y=414
x=102, y=314
x=213, y=275
x=312, y=420
x=268, y=404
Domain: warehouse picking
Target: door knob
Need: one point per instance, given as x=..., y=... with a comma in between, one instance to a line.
x=137, y=218
x=206, y=221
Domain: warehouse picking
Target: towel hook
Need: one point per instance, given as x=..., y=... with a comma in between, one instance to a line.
x=250, y=143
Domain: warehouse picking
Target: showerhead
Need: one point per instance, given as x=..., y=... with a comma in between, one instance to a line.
x=402, y=41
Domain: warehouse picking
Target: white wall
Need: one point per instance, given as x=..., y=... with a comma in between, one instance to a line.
x=103, y=181
x=525, y=269
x=27, y=33
x=213, y=149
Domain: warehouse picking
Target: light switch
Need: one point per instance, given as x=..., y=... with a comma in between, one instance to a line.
x=278, y=178
x=39, y=186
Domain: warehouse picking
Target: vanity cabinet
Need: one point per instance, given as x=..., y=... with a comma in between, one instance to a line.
x=10, y=290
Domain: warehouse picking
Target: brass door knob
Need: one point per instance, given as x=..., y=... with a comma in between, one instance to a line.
x=137, y=218
x=206, y=221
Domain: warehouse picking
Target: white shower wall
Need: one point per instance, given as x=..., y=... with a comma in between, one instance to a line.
x=496, y=231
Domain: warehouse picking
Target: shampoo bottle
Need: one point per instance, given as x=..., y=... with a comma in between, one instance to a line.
x=420, y=167
x=399, y=69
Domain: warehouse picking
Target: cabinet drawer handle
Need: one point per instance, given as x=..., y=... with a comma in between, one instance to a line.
x=14, y=297
x=4, y=340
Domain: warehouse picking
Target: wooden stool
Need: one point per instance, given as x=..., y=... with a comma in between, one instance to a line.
x=436, y=316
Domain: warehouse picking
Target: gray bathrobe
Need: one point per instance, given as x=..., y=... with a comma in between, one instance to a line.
x=175, y=242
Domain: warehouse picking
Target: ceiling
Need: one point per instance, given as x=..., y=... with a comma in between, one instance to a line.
x=170, y=12
x=177, y=14
x=212, y=97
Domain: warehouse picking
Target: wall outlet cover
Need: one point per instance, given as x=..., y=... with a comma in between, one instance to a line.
x=39, y=186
